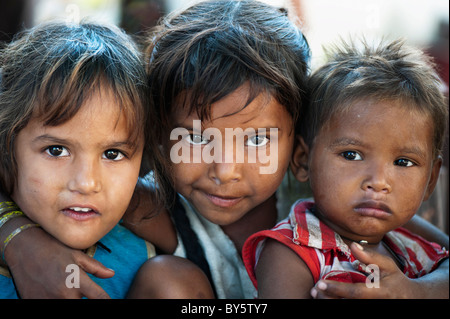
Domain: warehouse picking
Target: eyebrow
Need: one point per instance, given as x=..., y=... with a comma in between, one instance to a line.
x=56, y=140
x=414, y=150
x=346, y=141
x=50, y=138
x=265, y=125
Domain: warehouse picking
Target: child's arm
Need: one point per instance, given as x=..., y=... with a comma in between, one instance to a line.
x=421, y=227
x=30, y=257
x=281, y=273
x=30, y=254
x=150, y=221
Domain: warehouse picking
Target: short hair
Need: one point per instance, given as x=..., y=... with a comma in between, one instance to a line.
x=50, y=70
x=389, y=70
x=210, y=49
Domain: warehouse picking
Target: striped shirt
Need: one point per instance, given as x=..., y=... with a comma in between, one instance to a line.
x=328, y=257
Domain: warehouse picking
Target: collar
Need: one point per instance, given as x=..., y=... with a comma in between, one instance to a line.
x=310, y=231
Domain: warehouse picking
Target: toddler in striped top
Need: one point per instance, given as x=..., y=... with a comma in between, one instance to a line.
x=370, y=147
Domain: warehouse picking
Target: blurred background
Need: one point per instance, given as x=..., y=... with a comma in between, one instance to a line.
x=422, y=23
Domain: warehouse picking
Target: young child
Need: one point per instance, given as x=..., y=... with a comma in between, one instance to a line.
x=370, y=146
x=234, y=66
x=73, y=107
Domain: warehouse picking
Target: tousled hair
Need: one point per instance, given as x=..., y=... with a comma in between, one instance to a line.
x=387, y=70
x=200, y=55
x=49, y=71
x=214, y=47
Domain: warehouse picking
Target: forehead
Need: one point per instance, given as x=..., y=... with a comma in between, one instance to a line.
x=382, y=122
x=101, y=111
x=97, y=101
x=234, y=110
x=378, y=111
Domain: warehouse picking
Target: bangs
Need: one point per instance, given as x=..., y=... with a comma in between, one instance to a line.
x=50, y=71
x=65, y=88
x=199, y=56
x=203, y=71
x=198, y=99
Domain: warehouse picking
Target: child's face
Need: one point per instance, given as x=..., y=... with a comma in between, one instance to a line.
x=371, y=168
x=224, y=190
x=76, y=179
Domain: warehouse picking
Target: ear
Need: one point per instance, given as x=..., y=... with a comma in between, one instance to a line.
x=299, y=161
x=433, y=178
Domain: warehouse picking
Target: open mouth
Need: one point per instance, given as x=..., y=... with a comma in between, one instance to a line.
x=80, y=213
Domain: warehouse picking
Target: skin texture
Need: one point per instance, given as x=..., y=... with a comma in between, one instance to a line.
x=86, y=162
x=370, y=168
x=235, y=194
x=262, y=216
x=376, y=162
x=167, y=276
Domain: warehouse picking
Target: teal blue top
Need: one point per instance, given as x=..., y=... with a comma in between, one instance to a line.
x=119, y=250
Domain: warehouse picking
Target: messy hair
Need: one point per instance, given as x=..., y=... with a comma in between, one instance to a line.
x=49, y=71
x=210, y=49
x=203, y=53
x=388, y=70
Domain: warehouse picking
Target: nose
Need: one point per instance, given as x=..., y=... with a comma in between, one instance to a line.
x=226, y=169
x=223, y=173
x=86, y=177
x=377, y=179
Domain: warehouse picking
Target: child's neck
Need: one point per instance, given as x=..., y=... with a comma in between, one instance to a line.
x=263, y=216
x=363, y=243
x=379, y=247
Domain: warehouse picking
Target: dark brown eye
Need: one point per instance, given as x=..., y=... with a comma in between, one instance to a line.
x=56, y=151
x=403, y=162
x=113, y=155
x=351, y=156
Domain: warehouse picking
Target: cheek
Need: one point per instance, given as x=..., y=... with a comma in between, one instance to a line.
x=35, y=180
x=35, y=193
x=410, y=198
x=188, y=173
x=320, y=178
x=329, y=186
x=126, y=177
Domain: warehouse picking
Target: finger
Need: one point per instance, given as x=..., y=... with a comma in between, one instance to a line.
x=372, y=257
x=92, y=266
x=90, y=290
x=320, y=293
x=335, y=289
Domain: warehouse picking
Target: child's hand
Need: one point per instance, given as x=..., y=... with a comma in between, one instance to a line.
x=392, y=282
x=38, y=274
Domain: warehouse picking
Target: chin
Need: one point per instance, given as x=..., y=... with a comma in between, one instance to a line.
x=221, y=220
x=78, y=242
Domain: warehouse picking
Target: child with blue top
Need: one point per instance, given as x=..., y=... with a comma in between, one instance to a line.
x=73, y=108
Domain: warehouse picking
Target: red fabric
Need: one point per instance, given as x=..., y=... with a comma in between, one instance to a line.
x=328, y=257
